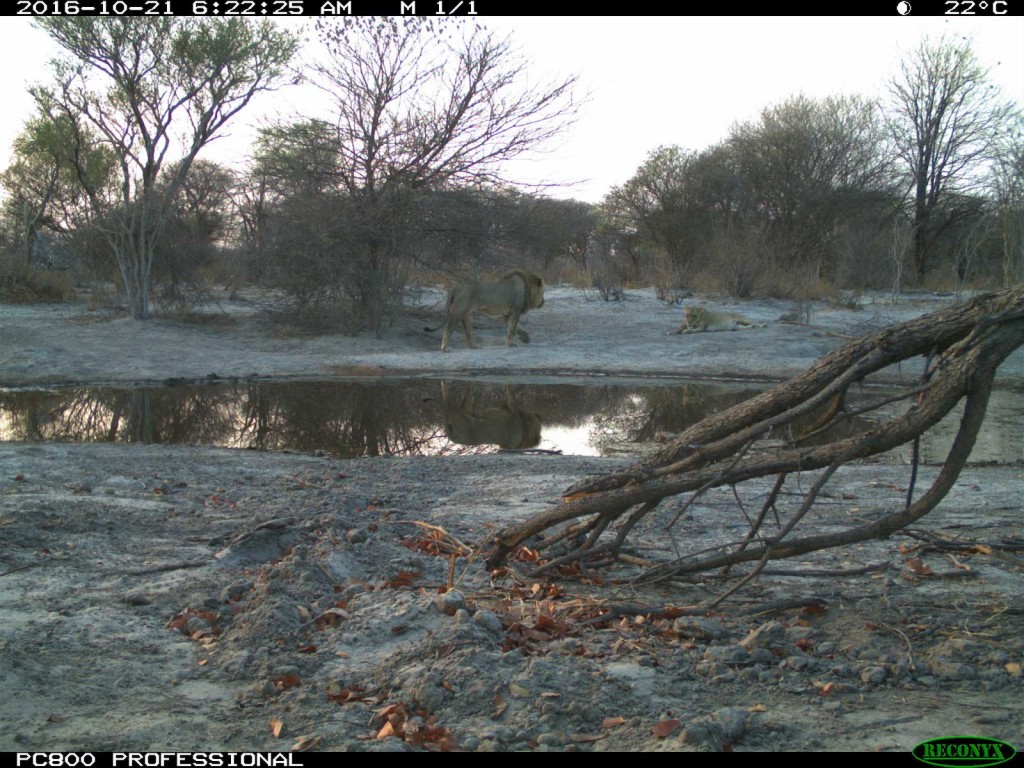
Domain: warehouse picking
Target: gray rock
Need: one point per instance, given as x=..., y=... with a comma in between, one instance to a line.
x=727, y=654
x=488, y=620
x=718, y=731
x=356, y=535
x=450, y=602
x=873, y=675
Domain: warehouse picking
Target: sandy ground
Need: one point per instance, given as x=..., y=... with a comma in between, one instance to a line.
x=191, y=598
x=573, y=334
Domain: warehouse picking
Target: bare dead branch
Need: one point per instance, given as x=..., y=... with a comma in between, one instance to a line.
x=969, y=342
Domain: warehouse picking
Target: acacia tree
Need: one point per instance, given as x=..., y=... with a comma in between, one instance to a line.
x=197, y=221
x=417, y=106
x=41, y=182
x=144, y=87
x=663, y=205
x=944, y=119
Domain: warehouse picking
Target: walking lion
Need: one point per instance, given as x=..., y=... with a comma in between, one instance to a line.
x=510, y=297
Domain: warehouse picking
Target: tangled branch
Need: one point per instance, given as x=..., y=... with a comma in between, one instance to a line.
x=965, y=345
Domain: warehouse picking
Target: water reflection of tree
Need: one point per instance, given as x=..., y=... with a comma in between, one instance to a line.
x=351, y=419
x=645, y=414
x=346, y=419
x=171, y=415
x=194, y=414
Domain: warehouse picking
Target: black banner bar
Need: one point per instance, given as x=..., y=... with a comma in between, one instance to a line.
x=162, y=760
x=284, y=8
x=248, y=8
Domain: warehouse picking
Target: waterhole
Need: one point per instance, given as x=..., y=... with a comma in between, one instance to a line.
x=431, y=417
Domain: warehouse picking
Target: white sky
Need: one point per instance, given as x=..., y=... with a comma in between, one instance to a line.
x=651, y=80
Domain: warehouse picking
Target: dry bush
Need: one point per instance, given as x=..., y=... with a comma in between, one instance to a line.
x=739, y=273
x=568, y=272
x=863, y=258
x=101, y=296
x=939, y=280
x=671, y=279
x=797, y=284
x=21, y=284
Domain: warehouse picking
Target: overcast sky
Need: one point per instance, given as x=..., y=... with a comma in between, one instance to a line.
x=650, y=80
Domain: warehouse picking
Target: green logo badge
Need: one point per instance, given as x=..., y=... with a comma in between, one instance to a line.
x=963, y=751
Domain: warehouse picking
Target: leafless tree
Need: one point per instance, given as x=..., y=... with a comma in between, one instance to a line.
x=902, y=234
x=416, y=106
x=944, y=117
x=1007, y=186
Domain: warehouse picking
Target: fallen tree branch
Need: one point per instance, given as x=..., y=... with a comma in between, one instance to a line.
x=967, y=341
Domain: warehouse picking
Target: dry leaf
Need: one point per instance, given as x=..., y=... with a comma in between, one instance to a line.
x=302, y=743
x=1013, y=668
x=579, y=738
x=500, y=705
x=403, y=579
x=665, y=728
x=284, y=682
x=518, y=690
x=55, y=718
x=612, y=722
x=918, y=566
x=275, y=728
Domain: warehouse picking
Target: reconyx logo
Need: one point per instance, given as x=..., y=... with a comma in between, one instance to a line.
x=960, y=751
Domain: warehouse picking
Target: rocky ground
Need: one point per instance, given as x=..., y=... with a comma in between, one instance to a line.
x=194, y=598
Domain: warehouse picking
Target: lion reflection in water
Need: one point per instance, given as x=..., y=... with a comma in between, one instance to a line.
x=507, y=426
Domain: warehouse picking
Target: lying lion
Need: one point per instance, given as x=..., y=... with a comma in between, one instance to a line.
x=698, y=320
x=511, y=297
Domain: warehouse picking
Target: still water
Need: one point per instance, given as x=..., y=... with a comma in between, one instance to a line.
x=427, y=416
